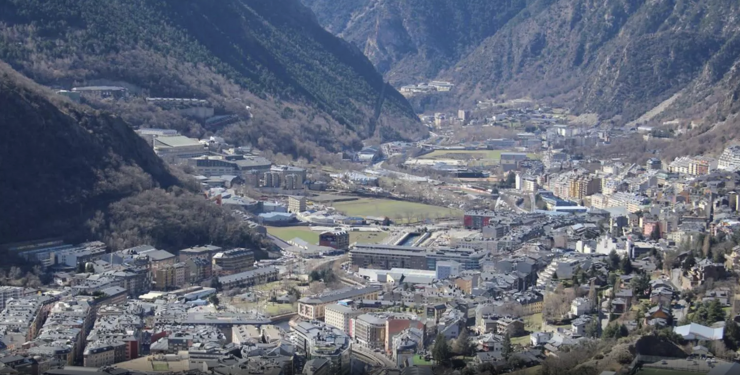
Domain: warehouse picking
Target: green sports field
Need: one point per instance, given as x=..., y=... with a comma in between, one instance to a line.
x=396, y=210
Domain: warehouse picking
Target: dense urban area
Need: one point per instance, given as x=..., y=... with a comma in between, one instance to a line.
x=462, y=252
x=369, y=187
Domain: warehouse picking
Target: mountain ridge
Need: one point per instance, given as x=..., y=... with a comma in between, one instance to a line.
x=308, y=91
x=616, y=58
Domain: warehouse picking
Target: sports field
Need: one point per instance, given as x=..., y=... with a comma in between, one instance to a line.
x=312, y=237
x=289, y=233
x=395, y=210
x=480, y=154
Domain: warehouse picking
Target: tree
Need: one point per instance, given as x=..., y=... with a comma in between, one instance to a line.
x=614, y=260
x=462, y=345
x=506, y=349
x=732, y=335
x=626, y=265
x=441, y=350
x=81, y=267
x=689, y=262
x=592, y=329
x=655, y=234
x=213, y=299
x=640, y=284
x=216, y=283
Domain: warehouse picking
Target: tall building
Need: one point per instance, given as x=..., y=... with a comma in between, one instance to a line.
x=233, y=261
x=296, y=204
x=337, y=239
x=730, y=158
x=319, y=340
x=340, y=316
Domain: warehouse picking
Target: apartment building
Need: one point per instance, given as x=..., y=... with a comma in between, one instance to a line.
x=248, y=278
x=233, y=261
x=340, y=316
x=296, y=204
x=337, y=239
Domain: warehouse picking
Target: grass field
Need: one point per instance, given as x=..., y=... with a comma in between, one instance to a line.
x=289, y=233
x=481, y=154
x=395, y=210
x=160, y=366
x=420, y=361
x=660, y=371
x=533, y=323
x=312, y=237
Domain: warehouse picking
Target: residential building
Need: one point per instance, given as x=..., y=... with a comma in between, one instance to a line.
x=158, y=258
x=257, y=276
x=296, y=204
x=478, y=219
x=319, y=340
x=580, y=306
x=205, y=252
x=171, y=276
x=314, y=307
x=198, y=269
x=233, y=261
x=10, y=292
x=337, y=239
x=340, y=316
x=104, y=353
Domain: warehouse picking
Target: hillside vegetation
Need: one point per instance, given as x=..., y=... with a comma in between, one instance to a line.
x=307, y=89
x=72, y=172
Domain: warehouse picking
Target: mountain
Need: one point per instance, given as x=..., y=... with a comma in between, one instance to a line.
x=73, y=172
x=617, y=58
x=308, y=91
x=413, y=40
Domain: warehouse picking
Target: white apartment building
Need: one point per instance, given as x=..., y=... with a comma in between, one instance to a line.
x=340, y=316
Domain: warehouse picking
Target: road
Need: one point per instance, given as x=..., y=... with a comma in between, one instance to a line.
x=378, y=357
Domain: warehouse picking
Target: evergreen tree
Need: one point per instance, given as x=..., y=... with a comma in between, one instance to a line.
x=441, y=350
x=506, y=349
x=81, y=267
x=689, y=262
x=213, y=299
x=215, y=283
x=626, y=265
x=614, y=260
x=640, y=284
x=462, y=344
x=732, y=335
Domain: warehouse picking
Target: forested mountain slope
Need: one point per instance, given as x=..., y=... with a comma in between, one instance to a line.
x=69, y=171
x=308, y=90
x=617, y=58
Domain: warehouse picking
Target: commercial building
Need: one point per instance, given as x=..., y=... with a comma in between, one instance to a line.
x=233, y=261
x=314, y=307
x=175, y=149
x=340, y=316
x=394, y=256
x=338, y=239
x=445, y=269
x=296, y=204
x=233, y=165
x=101, y=92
